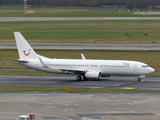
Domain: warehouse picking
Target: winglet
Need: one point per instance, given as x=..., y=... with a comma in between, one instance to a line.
x=83, y=57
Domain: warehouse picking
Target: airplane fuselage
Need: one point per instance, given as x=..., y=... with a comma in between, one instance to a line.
x=105, y=67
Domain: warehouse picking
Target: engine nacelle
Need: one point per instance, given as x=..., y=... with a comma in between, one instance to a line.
x=93, y=74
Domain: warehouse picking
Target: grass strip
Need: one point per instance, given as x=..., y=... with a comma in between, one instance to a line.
x=154, y=74
x=83, y=31
x=52, y=89
x=21, y=72
x=107, y=11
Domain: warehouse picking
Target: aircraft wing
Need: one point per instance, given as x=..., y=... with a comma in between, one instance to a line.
x=65, y=70
x=72, y=71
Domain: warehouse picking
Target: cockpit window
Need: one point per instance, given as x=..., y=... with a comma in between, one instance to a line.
x=145, y=66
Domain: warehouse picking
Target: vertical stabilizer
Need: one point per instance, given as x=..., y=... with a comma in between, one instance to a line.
x=24, y=49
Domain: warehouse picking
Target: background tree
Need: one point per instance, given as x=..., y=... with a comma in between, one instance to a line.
x=140, y=4
x=129, y=4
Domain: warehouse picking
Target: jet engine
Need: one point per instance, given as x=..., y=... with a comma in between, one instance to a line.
x=93, y=74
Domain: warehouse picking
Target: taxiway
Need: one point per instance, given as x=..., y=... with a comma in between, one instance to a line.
x=80, y=106
x=74, y=18
x=152, y=83
x=86, y=46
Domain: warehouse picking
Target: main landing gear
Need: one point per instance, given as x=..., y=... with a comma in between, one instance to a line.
x=81, y=77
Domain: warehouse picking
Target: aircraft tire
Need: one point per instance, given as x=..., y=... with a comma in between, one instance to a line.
x=139, y=79
x=79, y=78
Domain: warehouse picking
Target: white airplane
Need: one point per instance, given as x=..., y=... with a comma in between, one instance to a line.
x=83, y=68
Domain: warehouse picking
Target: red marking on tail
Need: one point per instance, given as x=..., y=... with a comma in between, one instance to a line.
x=26, y=54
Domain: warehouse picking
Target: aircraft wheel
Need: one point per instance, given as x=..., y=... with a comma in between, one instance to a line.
x=139, y=79
x=79, y=78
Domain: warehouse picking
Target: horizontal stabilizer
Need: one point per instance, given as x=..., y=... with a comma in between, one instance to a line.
x=17, y=60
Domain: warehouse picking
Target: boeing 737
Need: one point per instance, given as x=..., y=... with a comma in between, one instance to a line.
x=83, y=68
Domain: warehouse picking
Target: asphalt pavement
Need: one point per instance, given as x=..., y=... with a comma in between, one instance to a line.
x=152, y=83
x=85, y=46
x=80, y=106
x=74, y=18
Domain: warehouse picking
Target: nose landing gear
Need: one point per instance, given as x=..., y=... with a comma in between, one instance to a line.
x=139, y=79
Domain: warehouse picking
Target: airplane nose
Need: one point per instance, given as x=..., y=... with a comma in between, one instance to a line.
x=151, y=70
